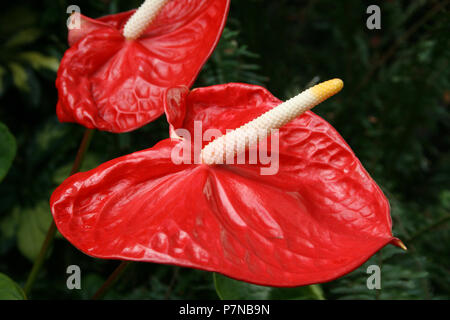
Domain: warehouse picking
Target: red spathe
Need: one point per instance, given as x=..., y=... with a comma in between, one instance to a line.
x=109, y=83
x=320, y=217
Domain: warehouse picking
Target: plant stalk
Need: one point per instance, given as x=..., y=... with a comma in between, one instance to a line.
x=112, y=279
x=430, y=227
x=84, y=145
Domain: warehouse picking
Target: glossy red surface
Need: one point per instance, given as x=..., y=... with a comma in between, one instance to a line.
x=110, y=83
x=318, y=218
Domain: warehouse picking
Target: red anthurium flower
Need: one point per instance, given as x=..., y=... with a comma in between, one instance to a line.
x=317, y=218
x=116, y=83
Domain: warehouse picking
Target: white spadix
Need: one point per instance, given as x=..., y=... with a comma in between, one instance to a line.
x=142, y=18
x=238, y=140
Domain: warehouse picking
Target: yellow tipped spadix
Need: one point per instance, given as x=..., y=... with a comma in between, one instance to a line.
x=327, y=89
x=142, y=18
x=238, y=140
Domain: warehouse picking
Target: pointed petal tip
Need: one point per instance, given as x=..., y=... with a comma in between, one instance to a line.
x=398, y=243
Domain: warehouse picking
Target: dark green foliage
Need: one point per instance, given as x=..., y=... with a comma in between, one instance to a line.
x=9, y=290
x=394, y=112
x=7, y=150
x=229, y=63
x=230, y=289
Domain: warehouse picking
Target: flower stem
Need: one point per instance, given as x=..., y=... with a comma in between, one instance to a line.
x=176, y=272
x=430, y=227
x=112, y=279
x=84, y=145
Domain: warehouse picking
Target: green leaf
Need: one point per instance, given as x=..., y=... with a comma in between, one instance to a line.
x=7, y=150
x=9, y=290
x=230, y=289
x=20, y=77
x=8, y=229
x=33, y=227
x=2, y=85
x=25, y=80
x=39, y=61
x=9, y=223
x=23, y=37
x=90, y=161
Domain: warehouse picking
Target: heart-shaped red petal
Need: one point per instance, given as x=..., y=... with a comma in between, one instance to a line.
x=118, y=85
x=319, y=217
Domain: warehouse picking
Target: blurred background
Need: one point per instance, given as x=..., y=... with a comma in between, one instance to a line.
x=394, y=112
